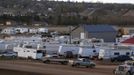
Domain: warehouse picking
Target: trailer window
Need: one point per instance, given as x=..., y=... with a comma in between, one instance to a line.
x=28, y=46
x=132, y=53
x=116, y=53
x=127, y=53
x=39, y=51
x=94, y=51
x=44, y=46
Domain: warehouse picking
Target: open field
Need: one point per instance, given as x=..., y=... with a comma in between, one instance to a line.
x=13, y=72
x=38, y=68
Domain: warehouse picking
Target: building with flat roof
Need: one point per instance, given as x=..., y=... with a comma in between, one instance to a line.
x=106, y=32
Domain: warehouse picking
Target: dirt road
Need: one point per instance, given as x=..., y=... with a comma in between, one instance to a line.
x=13, y=72
x=55, y=69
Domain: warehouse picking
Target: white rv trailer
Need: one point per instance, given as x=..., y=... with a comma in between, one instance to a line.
x=27, y=51
x=51, y=48
x=21, y=30
x=28, y=39
x=5, y=46
x=8, y=30
x=42, y=30
x=109, y=52
x=68, y=47
x=88, y=51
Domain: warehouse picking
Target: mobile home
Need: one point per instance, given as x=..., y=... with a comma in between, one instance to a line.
x=107, y=53
x=28, y=51
x=88, y=51
x=68, y=47
x=51, y=48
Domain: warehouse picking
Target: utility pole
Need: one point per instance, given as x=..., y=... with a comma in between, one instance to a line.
x=70, y=37
x=71, y=29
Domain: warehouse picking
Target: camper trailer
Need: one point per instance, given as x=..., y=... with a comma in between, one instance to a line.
x=110, y=52
x=51, y=48
x=69, y=49
x=28, y=51
x=88, y=51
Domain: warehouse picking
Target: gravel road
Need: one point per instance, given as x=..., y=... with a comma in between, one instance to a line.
x=55, y=69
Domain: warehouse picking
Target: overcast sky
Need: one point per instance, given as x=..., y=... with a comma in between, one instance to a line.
x=104, y=1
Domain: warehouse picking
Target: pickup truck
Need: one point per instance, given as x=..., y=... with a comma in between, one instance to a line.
x=82, y=62
x=125, y=69
x=55, y=60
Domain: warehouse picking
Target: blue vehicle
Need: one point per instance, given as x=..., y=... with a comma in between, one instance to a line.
x=8, y=54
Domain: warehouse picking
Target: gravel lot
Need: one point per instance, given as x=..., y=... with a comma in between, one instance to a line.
x=13, y=72
x=39, y=68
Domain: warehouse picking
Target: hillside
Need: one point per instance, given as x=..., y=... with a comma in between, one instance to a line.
x=30, y=12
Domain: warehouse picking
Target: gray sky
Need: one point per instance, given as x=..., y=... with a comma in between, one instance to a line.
x=105, y=1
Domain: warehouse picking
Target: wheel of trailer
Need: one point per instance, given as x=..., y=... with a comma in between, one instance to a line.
x=63, y=63
x=128, y=73
x=92, y=66
x=112, y=60
x=77, y=65
x=73, y=65
x=47, y=61
x=87, y=66
x=13, y=56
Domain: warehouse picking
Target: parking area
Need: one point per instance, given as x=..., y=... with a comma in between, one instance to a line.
x=55, y=69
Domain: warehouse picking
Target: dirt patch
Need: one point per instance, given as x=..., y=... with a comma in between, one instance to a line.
x=56, y=69
x=13, y=72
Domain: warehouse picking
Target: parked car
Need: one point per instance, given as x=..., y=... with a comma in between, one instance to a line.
x=124, y=70
x=83, y=62
x=8, y=54
x=121, y=58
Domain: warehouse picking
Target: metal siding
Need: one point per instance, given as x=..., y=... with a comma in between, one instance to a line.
x=107, y=36
x=99, y=28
